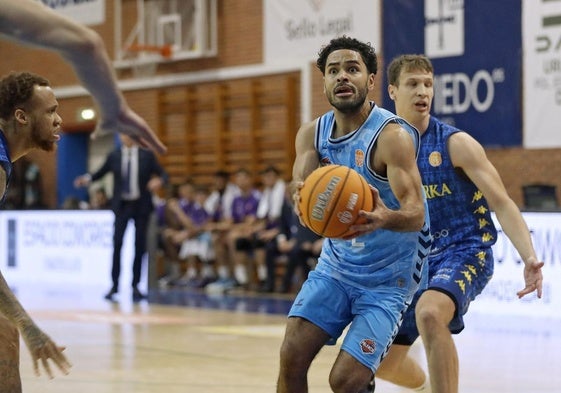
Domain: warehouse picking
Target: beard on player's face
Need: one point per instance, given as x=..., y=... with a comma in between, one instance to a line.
x=349, y=105
x=41, y=139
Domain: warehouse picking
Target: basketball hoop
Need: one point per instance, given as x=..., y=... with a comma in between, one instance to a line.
x=147, y=58
x=165, y=51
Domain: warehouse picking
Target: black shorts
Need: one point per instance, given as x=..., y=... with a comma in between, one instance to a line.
x=248, y=244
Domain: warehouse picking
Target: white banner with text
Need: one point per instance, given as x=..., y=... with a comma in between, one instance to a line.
x=541, y=35
x=87, y=12
x=75, y=248
x=296, y=29
x=64, y=247
x=499, y=297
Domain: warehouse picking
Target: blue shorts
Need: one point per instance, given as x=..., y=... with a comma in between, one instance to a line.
x=459, y=273
x=374, y=315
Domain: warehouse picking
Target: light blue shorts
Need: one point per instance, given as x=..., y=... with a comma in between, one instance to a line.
x=374, y=314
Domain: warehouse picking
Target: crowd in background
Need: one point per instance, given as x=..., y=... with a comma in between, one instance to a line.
x=231, y=236
x=234, y=236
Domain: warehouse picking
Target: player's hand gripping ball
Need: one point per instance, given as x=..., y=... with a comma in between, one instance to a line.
x=331, y=198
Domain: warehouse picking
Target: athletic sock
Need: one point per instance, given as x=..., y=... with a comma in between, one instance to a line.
x=240, y=273
x=262, y=272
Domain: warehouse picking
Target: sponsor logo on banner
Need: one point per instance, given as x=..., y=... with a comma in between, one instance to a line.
x=475, y=49
x=542, y=73
x=459, y=92
x=298, y=29
x=444, y=28
x=88, y=12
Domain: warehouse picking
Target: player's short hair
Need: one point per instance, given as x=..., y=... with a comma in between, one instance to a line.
x=366, y=51
x=16, y=89
x=409, y=62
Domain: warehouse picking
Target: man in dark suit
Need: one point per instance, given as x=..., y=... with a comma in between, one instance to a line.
x=136, y=176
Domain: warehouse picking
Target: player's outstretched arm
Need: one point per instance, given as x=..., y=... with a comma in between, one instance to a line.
x=41, y=347
x=469, y=155
x=31, y=22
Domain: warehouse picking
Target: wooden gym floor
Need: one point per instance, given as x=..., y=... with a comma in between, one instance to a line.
x=185, y=341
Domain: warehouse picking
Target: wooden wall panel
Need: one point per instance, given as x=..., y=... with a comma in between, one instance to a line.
x=247, y=123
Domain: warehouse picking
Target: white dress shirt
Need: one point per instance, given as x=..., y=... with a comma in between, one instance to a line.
x=132, y=154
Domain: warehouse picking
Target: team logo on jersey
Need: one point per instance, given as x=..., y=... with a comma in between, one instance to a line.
x=359, y=158
x=436, y=190
x=435, y=159
x=367, y=345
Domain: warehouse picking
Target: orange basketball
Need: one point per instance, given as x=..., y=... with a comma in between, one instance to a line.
x=331, y=198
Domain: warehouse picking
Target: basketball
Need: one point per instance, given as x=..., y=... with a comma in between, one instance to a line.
x=331, y=198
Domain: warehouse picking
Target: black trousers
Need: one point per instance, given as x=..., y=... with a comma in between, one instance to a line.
x=129, y=210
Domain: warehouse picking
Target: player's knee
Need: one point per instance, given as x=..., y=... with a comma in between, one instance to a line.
x=430, y=317
x=291, y=363
x=294, y=355
x=337, y=382
x=291, y=348
x=349, y=375
x=434, y=310
x=345, y=382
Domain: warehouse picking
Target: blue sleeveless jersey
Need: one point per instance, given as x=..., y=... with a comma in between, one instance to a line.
x=381, y=255
x=5, y=162
x=459, y=214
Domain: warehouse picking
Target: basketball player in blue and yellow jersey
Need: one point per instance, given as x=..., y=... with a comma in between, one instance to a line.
x=367, y=282
x=462, y=186
x=28, y=121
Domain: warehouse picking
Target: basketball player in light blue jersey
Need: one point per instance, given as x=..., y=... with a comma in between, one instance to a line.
x=461, y=186
x=364, y=283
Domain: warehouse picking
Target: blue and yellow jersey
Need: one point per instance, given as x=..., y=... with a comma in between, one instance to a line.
x=380, y=255
x=459, y=214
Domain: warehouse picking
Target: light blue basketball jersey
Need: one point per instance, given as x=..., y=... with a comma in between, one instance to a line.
x=381, y=255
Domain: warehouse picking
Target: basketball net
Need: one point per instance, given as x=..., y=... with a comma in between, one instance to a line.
x=148, y=57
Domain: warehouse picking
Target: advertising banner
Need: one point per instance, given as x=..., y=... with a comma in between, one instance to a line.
x=74, y=248
x=87, y=12
x=63, y=247
x=475, y=47
x=499, y=297
x=542, y=73
x=297, y=29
